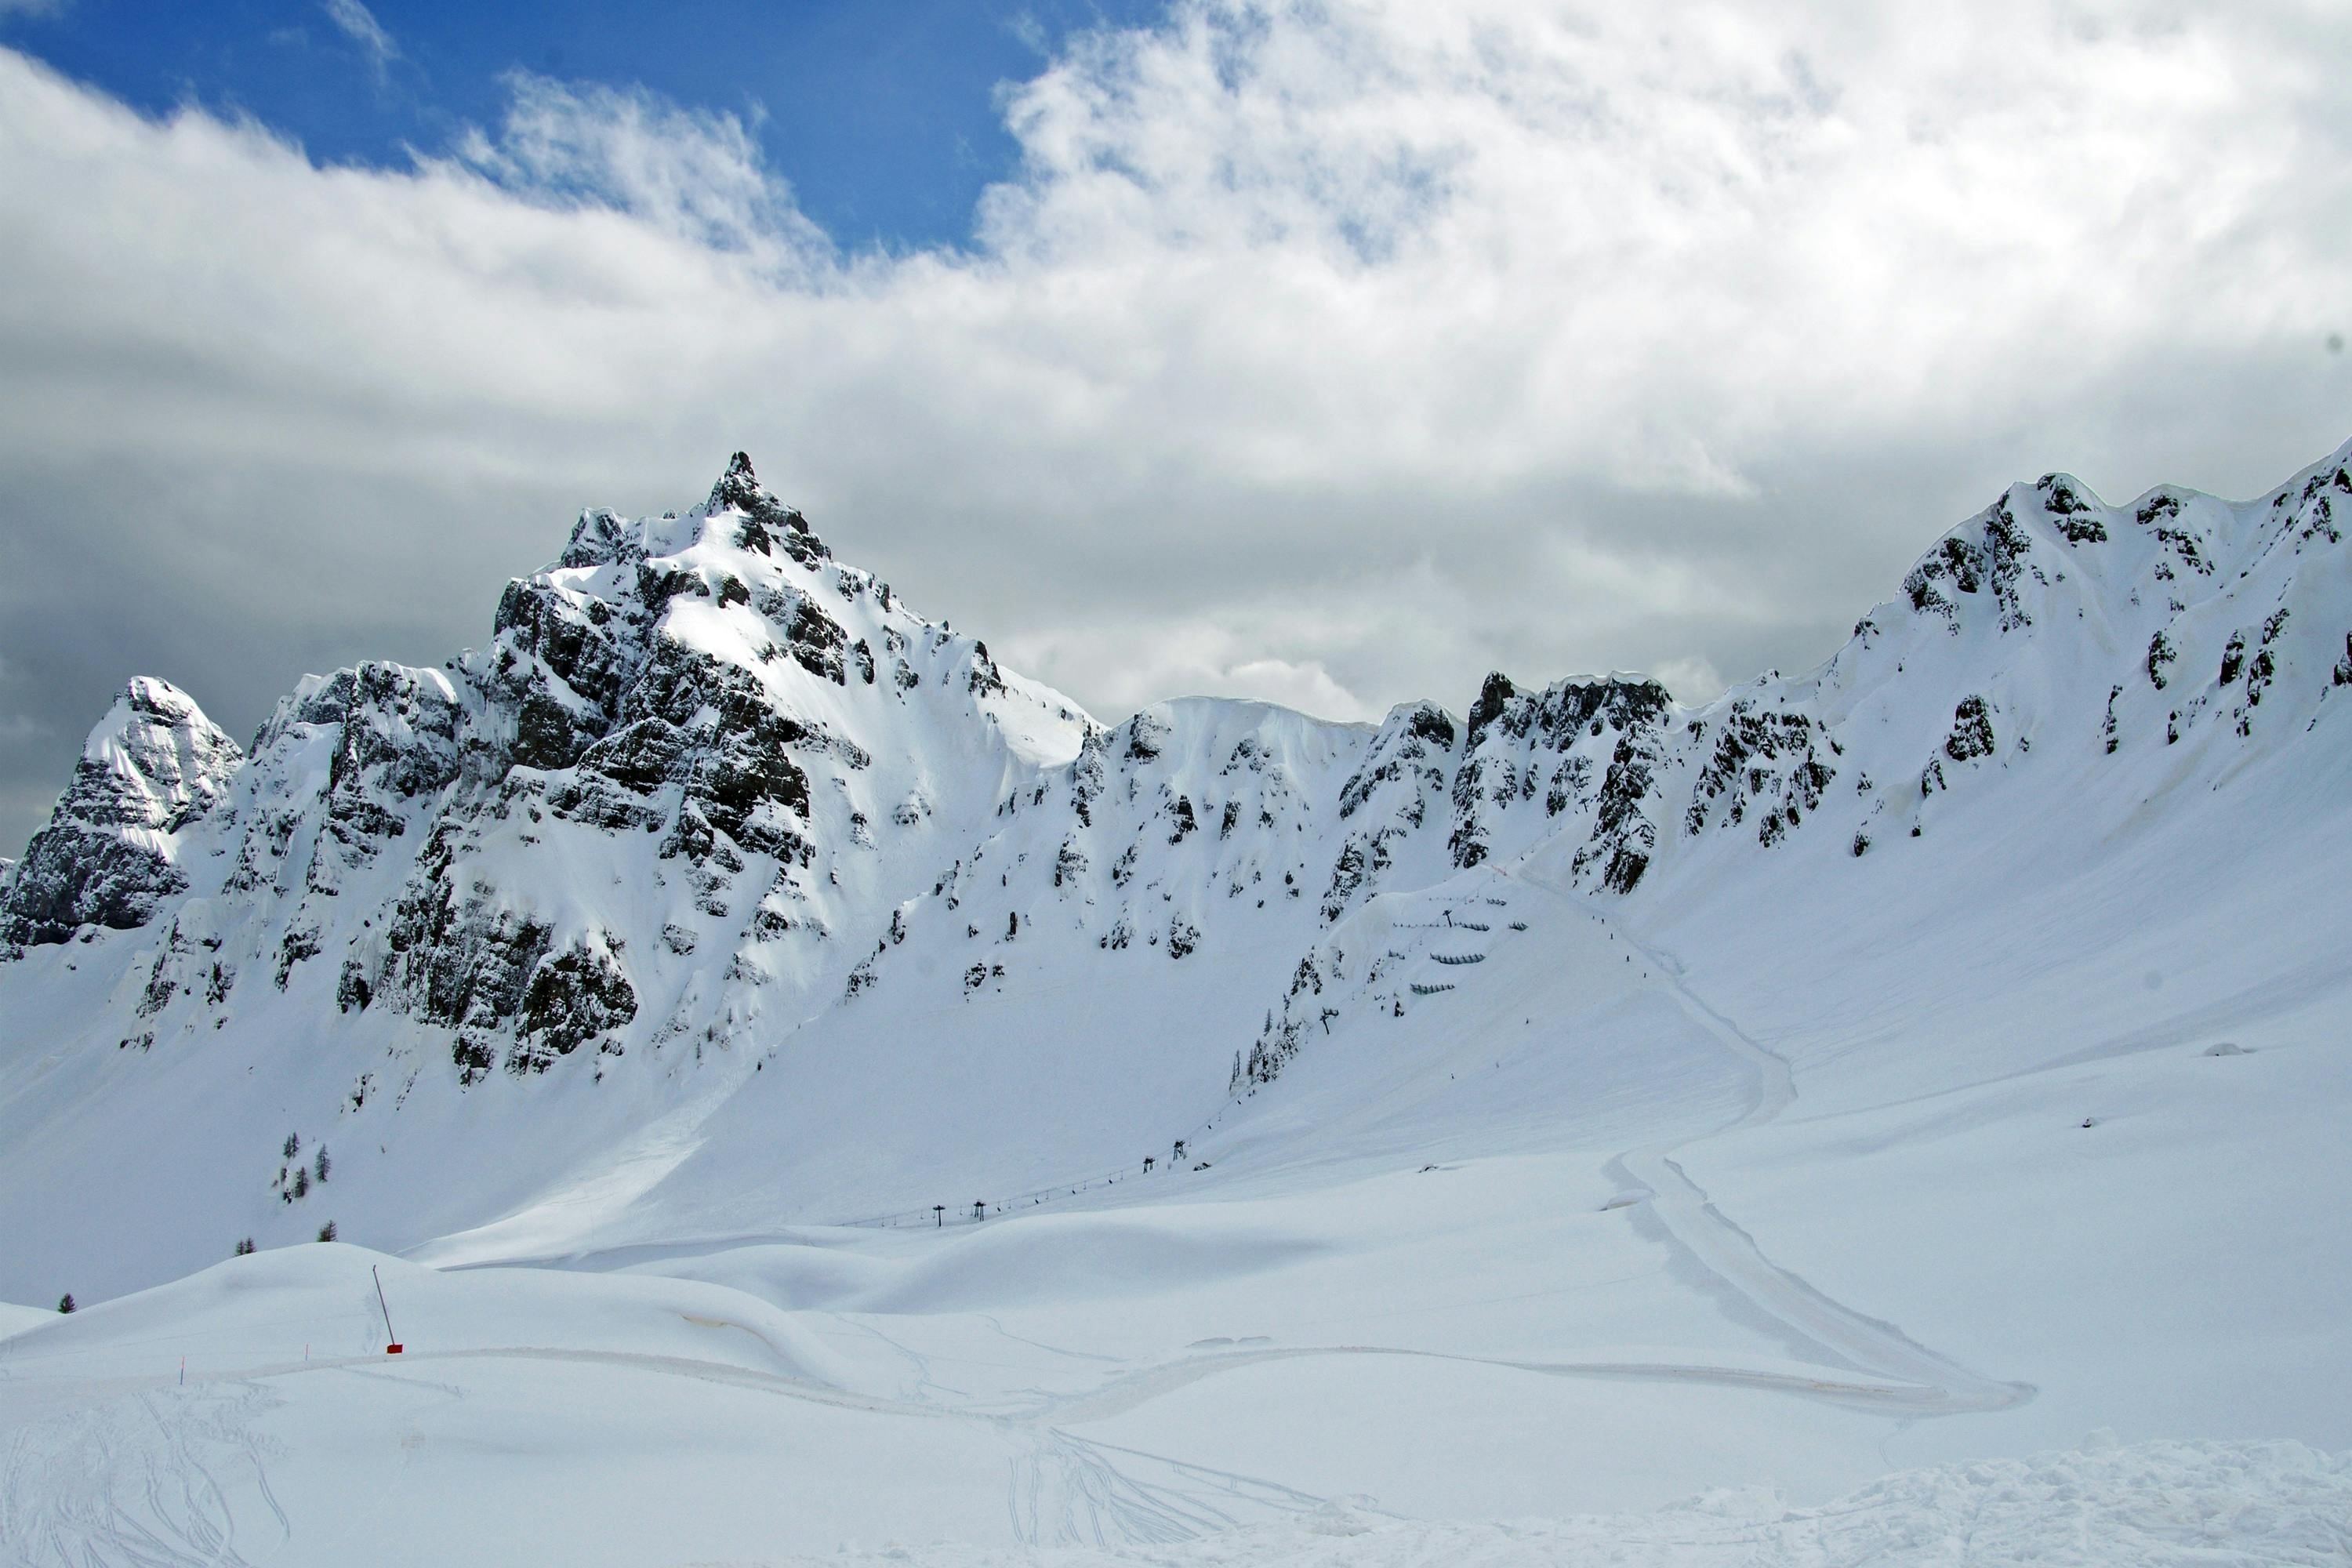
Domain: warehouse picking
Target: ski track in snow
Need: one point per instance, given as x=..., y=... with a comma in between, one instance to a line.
x=1068, y=1490
x=154, y=1477
x=1899, y=1377
x=150, y=1478
x=2177, y=1505
x=1917, y=1381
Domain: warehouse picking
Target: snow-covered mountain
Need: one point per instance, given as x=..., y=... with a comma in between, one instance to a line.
x=519, y=939
x=791, y=1082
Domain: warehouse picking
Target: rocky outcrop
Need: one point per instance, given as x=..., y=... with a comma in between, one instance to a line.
x=1587, y=750
x=110, y=855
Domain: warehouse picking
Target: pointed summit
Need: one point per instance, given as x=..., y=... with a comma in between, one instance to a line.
x=738, y=487
x=153, y=766
x=767, y=521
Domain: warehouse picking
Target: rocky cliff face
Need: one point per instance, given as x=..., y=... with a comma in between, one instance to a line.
x=694, y=752
x=153, y=768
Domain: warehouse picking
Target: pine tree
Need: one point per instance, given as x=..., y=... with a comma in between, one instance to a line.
x=302, y=1181
x=66, y=1302
x=327, y=1231
x=324, y=1164
x=293, y=1144
x=246, y=1249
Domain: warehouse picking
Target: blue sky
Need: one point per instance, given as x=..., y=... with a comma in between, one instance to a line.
x=883, y=118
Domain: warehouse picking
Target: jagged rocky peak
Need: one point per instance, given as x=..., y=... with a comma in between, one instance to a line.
x=1494, y=696
x=749, y=732
x=739, y=487
x=767, y=523
x=754, y=519
x=154, y=760
x=153, y=766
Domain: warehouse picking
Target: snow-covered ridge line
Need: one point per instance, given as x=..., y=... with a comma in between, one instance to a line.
x=710, y=799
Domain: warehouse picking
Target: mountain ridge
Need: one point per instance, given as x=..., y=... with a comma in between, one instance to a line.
x=709, y=793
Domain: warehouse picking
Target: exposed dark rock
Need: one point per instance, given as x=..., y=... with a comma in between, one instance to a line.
x=1494, y=697
x=817, y=641
x=1971, y=734
x=766, y=524
x=152, y=767
x=573, y=997
x=986, y=679
x=1766, y=762
x=1623, y=835
x=2072, y=515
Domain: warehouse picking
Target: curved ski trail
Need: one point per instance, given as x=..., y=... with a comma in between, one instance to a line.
x=1914, y=1378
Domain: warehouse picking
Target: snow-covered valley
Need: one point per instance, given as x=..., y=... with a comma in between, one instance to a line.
x=1557, y=1110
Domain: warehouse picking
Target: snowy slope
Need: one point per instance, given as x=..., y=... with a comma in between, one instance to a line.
x=617, y=1419
x=1585, y=1101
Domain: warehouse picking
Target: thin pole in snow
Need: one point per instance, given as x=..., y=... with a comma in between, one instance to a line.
x=392, y=1340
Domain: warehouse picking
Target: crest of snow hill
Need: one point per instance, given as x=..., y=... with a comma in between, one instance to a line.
x=706, y=783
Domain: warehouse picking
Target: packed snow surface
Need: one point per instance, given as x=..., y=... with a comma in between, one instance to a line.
x=796, y=1091
x=2148, y=1505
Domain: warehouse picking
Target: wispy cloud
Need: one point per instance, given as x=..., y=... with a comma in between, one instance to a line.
x=359, y=24
x=699, y=177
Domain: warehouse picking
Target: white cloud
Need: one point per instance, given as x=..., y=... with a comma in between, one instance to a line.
x=691, y=176
x=1186, y=656
x=1339, y=351
x=1691, y=680
x=359, y=24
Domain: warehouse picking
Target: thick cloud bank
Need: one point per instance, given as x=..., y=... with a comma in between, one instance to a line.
x=1325, y=352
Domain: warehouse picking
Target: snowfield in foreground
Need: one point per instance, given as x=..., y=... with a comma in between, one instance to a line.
x=2153, y=1505
x=800, y=1087
x=628, y=1418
